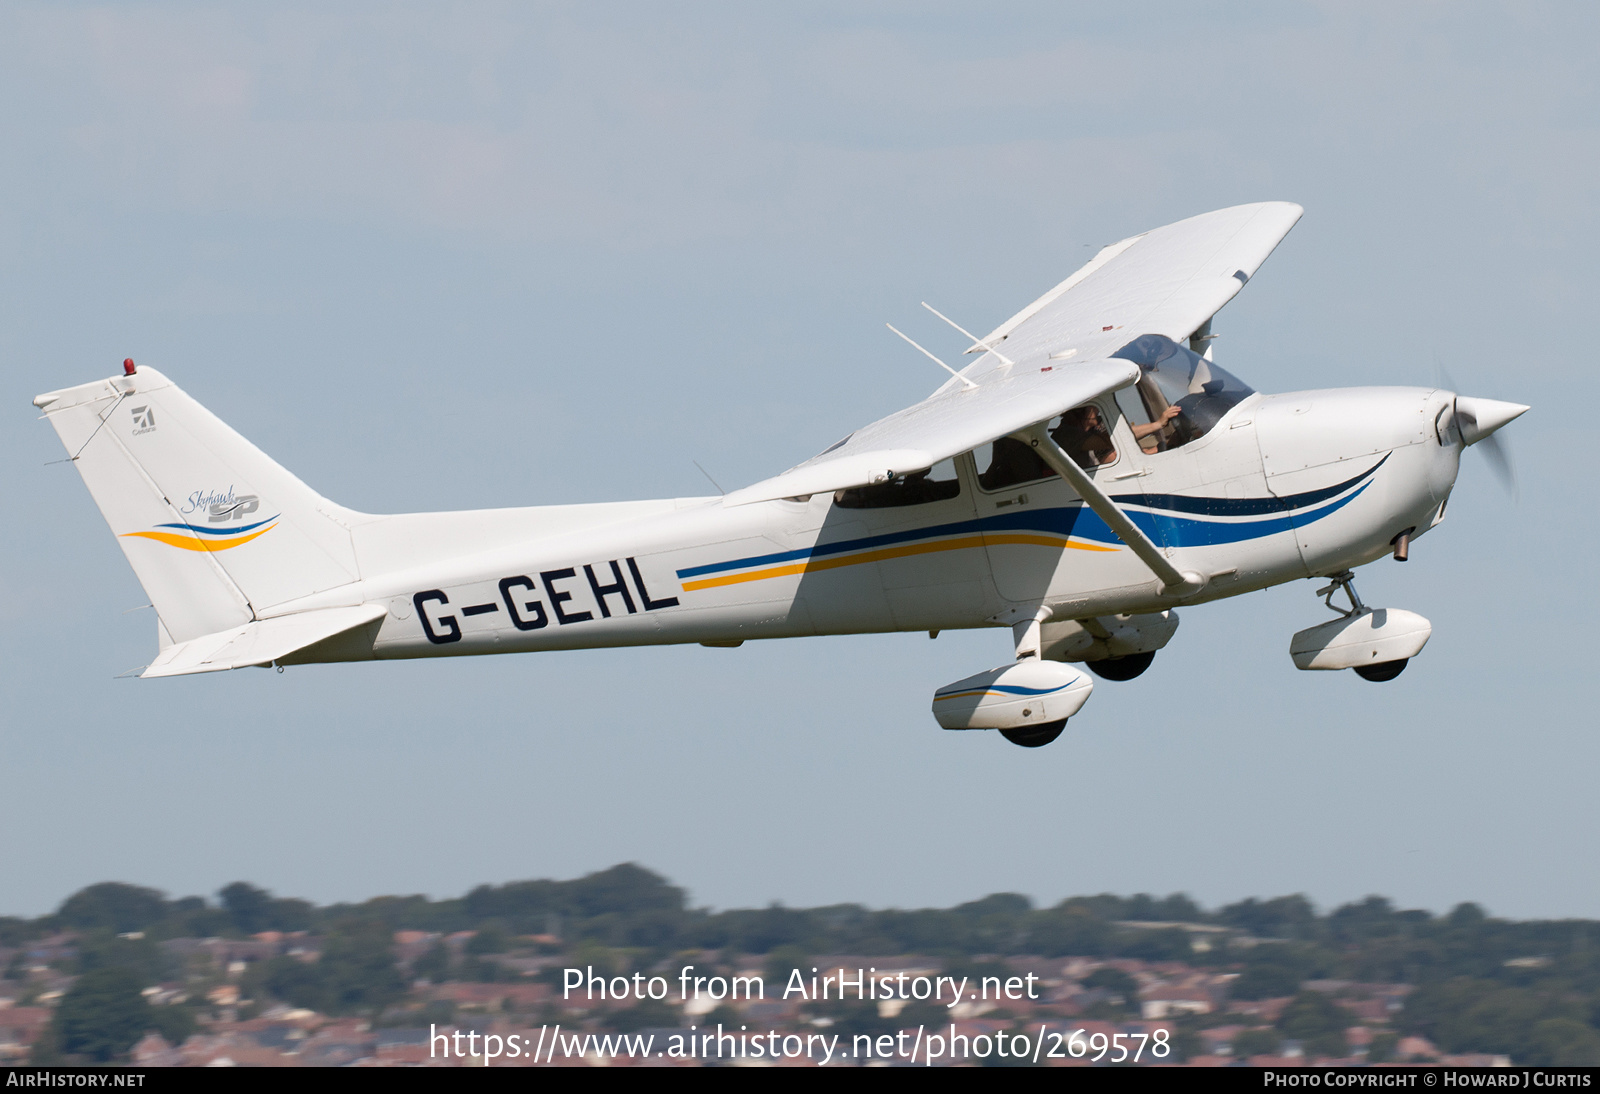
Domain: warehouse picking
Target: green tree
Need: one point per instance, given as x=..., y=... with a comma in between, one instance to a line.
x=480, y=970
x=1563, y=1041
x=927, y=1013
x=1171, y=944
x=728, y=1016
x=433, y=966
x=1122, y=987
x=1062, y=930
x=781, y=963
x=249, y=907
x=102, y=1015
x=359, y=968
x=1316, y=1021
x=1282, y=917
x=175, y=1022
x=298, y=983
x=113, y=906
x=1257, y=1042
x=1265, y=981
x=490, y=938
x=646, y=1014
x=1472, y=1015
x=100, y=949
x=14, y=930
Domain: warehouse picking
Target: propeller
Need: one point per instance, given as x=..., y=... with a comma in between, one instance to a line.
x=1479, y=420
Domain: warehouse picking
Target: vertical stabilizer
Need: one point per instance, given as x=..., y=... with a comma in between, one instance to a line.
x=214, y=529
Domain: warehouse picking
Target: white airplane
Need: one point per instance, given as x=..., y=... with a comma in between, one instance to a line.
x=1089, y=471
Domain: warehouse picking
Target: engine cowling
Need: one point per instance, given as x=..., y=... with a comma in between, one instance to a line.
x=1024, y=693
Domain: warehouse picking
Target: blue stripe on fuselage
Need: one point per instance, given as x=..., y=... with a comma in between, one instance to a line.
x=1080, y=521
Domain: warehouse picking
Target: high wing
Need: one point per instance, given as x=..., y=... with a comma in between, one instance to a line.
x=1167, y=281
x=1055, y=354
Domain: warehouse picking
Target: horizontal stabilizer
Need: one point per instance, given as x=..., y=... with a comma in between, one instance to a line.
x=261, y=642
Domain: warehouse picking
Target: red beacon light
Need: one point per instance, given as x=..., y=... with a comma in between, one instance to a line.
x=127, y=366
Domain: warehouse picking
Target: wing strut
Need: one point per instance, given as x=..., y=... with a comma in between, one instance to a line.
x=1174, y=582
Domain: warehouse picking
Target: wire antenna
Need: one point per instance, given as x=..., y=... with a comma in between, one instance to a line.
x=934, y=359
x=709, y=479
x=977, y=343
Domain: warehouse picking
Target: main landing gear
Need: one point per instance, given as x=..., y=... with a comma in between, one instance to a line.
x=1034, y=736
x=1376, y=642
x=1121, y=668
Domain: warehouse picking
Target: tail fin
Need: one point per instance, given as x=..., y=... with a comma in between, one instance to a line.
x=214, y=529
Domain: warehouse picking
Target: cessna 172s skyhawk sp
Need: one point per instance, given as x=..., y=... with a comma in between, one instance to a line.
x=1088, y=472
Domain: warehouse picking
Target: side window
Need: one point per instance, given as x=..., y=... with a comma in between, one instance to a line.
x=1081, y=432
x=937, y=483
x=1084, y=435
x=1180, y=395
x=1150, y=416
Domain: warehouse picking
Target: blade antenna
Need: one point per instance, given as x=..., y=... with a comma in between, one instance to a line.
x=976, y=341
x=934, y=359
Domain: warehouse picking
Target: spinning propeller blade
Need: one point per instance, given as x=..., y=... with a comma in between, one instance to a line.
x=1498, y=453
x=1478, y=420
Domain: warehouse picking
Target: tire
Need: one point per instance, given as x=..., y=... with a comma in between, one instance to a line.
x=1121, y=668
x=1383, y=670
x=1034, y=736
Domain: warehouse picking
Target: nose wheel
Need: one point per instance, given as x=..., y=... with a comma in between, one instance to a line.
x=1362, y=637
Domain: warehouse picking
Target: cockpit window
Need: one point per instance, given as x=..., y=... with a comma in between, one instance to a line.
x=1081, y=432
x=1179, y=395
x=937, y=483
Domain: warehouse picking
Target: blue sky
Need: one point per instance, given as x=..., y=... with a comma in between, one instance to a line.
x=449, y=257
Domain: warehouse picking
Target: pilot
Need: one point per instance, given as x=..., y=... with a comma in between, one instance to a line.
x=1082, y=434
x=1147, y=433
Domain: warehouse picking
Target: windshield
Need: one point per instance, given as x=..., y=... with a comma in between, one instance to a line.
x=1179, y=396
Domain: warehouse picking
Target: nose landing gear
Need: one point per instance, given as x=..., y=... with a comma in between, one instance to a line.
x=1376, y=642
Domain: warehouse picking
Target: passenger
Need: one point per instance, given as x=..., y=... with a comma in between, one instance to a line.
x=1013, y=462
x=1082, y=434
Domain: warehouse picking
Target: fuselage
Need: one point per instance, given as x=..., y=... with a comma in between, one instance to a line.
x=1282, y=487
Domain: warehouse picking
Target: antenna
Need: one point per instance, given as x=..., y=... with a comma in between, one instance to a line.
x=708, y=477
x=976, y=341
x=935, y=360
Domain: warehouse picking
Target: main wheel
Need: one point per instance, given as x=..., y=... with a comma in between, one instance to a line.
x=1034, y=736
x=1383, y=670
x=1121, y=668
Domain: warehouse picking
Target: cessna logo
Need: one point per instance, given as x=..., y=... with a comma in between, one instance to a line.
x=144, y=420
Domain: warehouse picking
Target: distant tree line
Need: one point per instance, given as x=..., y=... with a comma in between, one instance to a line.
x=1529, y=989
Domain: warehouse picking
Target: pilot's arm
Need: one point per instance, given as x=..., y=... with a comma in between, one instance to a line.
x=1142, y=431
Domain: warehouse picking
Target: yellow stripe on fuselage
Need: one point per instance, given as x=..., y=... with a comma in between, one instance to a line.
x=958, y=544
x=195, y=543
